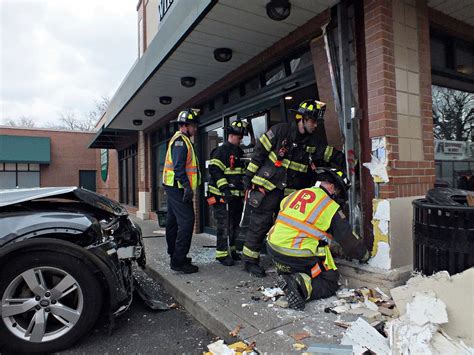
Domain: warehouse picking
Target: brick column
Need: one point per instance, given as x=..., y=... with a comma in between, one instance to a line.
x=144, y=195
x=399, y=110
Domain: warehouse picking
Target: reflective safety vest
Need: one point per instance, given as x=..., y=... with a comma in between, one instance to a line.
x=192, y=164
x=303, y=221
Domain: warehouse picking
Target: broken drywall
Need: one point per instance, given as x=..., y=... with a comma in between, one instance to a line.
x=455, y=291
x=381, y=260
x=378, y=163
x=418, y=331
x=381, y=247
x=362, y=336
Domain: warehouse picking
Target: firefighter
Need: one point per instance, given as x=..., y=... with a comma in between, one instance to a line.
x=308, y=222
x=226, y=191
x=279, y=166
x=181, y=176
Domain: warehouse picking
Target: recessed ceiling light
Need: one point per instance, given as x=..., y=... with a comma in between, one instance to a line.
x=149, y=112
x=288, y=97
x=222, y=54
x=188, y=81
x=278, y=10
x=165, y=100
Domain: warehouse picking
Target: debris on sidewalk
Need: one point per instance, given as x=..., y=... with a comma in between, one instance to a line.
x=329, y=349
x=236, y=330
x=454, y=291
x=418, y=331
x=299, y=346
x=362, y=336
x=238, y=348
x=300, y=336
x=271, y=293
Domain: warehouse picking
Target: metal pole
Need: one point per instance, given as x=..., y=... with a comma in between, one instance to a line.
x=346, y=99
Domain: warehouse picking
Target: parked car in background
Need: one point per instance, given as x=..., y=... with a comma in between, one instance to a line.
x=66, y=257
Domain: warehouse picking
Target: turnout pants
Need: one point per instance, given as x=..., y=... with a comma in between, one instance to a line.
x=179, y=225
x=260, y=221
x=322, y=285
x=227, y=225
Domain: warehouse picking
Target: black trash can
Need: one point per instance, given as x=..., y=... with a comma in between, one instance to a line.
x=443, y=232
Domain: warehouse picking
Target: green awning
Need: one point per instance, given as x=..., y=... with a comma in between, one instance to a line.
x=19, y=149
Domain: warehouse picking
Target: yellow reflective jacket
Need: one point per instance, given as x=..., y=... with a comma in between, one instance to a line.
x=303, y=221
x=192, y=164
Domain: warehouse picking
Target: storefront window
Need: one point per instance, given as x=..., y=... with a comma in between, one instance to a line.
x=453, y=129
x=128, y=169
x=300, y=62
x=275, y=74
x=19, y=176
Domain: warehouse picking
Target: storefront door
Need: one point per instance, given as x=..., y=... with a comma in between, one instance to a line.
x=212, y=136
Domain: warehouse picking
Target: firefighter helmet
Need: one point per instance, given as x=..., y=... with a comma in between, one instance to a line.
x=238, y=128
x=310, y=109
x=189, y=115
x=336, y=177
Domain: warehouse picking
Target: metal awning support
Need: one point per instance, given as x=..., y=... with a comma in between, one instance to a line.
x=109, y=138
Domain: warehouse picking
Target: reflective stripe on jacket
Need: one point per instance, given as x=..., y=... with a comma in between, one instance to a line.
x=303, y=221
x=226, y=170
x=281, y=158
x=192, y=164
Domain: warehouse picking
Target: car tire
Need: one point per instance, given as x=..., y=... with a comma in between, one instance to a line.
x=57, y=298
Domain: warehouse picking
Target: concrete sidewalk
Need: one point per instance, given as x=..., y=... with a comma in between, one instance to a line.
x=220, y=298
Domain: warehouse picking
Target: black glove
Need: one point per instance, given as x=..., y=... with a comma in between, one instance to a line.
x=188, y=194
x=228, y=196
x=365, y=258
x=247, y=181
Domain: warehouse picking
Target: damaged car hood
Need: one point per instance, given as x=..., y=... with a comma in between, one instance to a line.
x=14, y=196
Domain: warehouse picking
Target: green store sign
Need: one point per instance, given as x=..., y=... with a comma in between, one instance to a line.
x=104, y=163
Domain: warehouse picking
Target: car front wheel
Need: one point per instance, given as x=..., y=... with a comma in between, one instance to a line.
x=49, y=301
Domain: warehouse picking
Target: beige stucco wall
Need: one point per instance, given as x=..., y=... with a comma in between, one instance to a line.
x=407, y=78
x=152, y=20
x=401, y=231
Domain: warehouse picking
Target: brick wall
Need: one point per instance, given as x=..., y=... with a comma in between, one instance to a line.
x=69, y=154
x=399, y=92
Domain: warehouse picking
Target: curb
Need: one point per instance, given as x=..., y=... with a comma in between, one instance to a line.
x=206, y=311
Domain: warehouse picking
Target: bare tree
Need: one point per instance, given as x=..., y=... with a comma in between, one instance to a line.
x=100, y=107
x=453, y=114
x=23, y=121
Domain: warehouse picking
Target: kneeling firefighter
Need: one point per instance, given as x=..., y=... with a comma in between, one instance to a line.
x=226, y=191
x=308, y=221
x=280, y=165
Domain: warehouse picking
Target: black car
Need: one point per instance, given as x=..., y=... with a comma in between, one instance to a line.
x=66, y=257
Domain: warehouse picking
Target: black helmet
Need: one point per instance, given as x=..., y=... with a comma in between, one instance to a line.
x=336, y=177
x=189, y=115
x=310, y=109
x=238, y=128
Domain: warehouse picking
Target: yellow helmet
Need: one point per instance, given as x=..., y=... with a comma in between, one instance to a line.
x=310, y=109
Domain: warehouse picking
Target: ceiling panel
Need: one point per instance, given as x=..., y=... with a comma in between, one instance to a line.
x=241, y=25
x=462, y=10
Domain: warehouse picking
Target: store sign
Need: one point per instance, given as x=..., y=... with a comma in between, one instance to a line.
x=104, y=163
x=163, y=7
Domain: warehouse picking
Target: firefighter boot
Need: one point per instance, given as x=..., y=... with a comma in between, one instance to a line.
x=292, y=289
x=254, y=269
x=235, y=256
x=227, y=261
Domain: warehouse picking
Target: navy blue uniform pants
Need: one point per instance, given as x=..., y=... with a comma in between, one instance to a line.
x=179, y=225
x=324, y=285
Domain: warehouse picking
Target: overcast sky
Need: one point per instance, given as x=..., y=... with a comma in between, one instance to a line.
x=61, y=55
